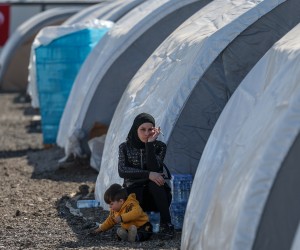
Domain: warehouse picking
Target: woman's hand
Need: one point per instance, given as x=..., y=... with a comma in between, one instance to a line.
x=154, y=135
x=157, y=178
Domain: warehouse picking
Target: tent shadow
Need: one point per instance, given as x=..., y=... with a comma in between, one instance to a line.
x=45, y=166
x=82, y=224
x=13, y=153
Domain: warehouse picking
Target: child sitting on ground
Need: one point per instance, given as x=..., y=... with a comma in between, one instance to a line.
x=124, y=209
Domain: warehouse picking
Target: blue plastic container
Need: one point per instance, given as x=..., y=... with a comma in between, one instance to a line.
x=154, y=218
x=181, y=187
x=57, y=65
x=177, y=211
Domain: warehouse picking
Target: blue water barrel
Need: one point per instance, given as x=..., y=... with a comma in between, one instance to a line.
x=57, y=65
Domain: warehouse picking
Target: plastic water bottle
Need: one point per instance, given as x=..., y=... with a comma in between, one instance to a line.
x=88, y=203
x=176, y=190
x=181, y=187
x=177, y=214
x=154, y=220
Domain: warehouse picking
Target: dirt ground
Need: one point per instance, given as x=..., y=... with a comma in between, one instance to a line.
x=38, y=196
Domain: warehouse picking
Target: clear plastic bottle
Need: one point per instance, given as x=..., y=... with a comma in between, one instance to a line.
x=177, y=214
x=154, y=218
x=88, y=203
x=181, y=187
x=177, y=190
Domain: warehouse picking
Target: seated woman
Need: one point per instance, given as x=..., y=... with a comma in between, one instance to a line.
x=141, y=165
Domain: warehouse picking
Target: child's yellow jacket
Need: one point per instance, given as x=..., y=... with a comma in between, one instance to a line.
x=131, y=213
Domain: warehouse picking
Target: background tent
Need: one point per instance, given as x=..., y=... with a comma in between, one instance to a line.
x=15, y=54
x=245, y=194
x=220, y=80
x=111, y=11
x=116, y=59
x=166, y=81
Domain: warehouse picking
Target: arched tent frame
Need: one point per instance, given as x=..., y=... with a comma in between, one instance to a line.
x=211, y=93
x=98, y=87
x=92, y=12
x=111, y=11
x=245, y=153
x=200, y=40
x=15, y=54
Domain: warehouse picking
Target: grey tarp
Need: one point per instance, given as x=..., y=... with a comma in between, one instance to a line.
x=281, y=216
x=114, y=61
x=15, y=54
x=246, y=167
x=164, y=84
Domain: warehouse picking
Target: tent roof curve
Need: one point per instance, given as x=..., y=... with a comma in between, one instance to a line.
x=184, y=57
x=22, y=34
x=241, y=159
x=108, y=50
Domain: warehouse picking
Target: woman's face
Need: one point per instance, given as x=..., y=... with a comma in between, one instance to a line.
x=145, y=131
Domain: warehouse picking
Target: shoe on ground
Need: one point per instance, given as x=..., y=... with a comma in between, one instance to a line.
x=122, y=233
x=132, y=232
x=166, y=231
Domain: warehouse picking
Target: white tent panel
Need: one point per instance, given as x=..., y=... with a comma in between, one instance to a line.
x=296, y=243
x=15, y=54
x=163, y=84
x=92, y=12
x=126, y=31
x=245, y=151
x=111, y=11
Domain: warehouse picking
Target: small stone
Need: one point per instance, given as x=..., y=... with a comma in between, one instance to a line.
x=18, y=213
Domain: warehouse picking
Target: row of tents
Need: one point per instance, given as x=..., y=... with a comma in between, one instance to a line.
x=221, y=79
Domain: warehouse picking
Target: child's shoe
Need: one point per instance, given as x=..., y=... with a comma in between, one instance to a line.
x=122, y=233
x=132, y=232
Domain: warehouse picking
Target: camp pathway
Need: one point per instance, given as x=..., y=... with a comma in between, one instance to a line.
x=35, y=189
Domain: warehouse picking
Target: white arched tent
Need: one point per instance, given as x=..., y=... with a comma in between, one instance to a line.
x=93, y=12
x=111, y=11
x=245, y=191
x=15, y=54
x=164, y=84
x=109, y=68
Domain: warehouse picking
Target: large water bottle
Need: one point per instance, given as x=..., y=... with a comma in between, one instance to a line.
x=177, y=214
x=176, y=190
x=154, y=219
x=88, y=203
x=186, y=185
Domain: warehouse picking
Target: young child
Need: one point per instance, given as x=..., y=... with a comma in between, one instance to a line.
x=124, y=209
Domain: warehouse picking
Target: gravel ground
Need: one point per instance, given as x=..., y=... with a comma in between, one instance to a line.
x=38, y=196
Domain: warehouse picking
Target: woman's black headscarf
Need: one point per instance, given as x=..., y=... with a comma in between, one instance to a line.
x=132, y=136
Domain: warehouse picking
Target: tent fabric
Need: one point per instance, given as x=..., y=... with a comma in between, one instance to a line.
x=218, y=83
x=296, y=242
x=281, y=216
x=45, y=37
x=245, y=152
x=92, y=12
x=107, y=70
x=111, y=11
x=163, y=84
x=15, y=54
